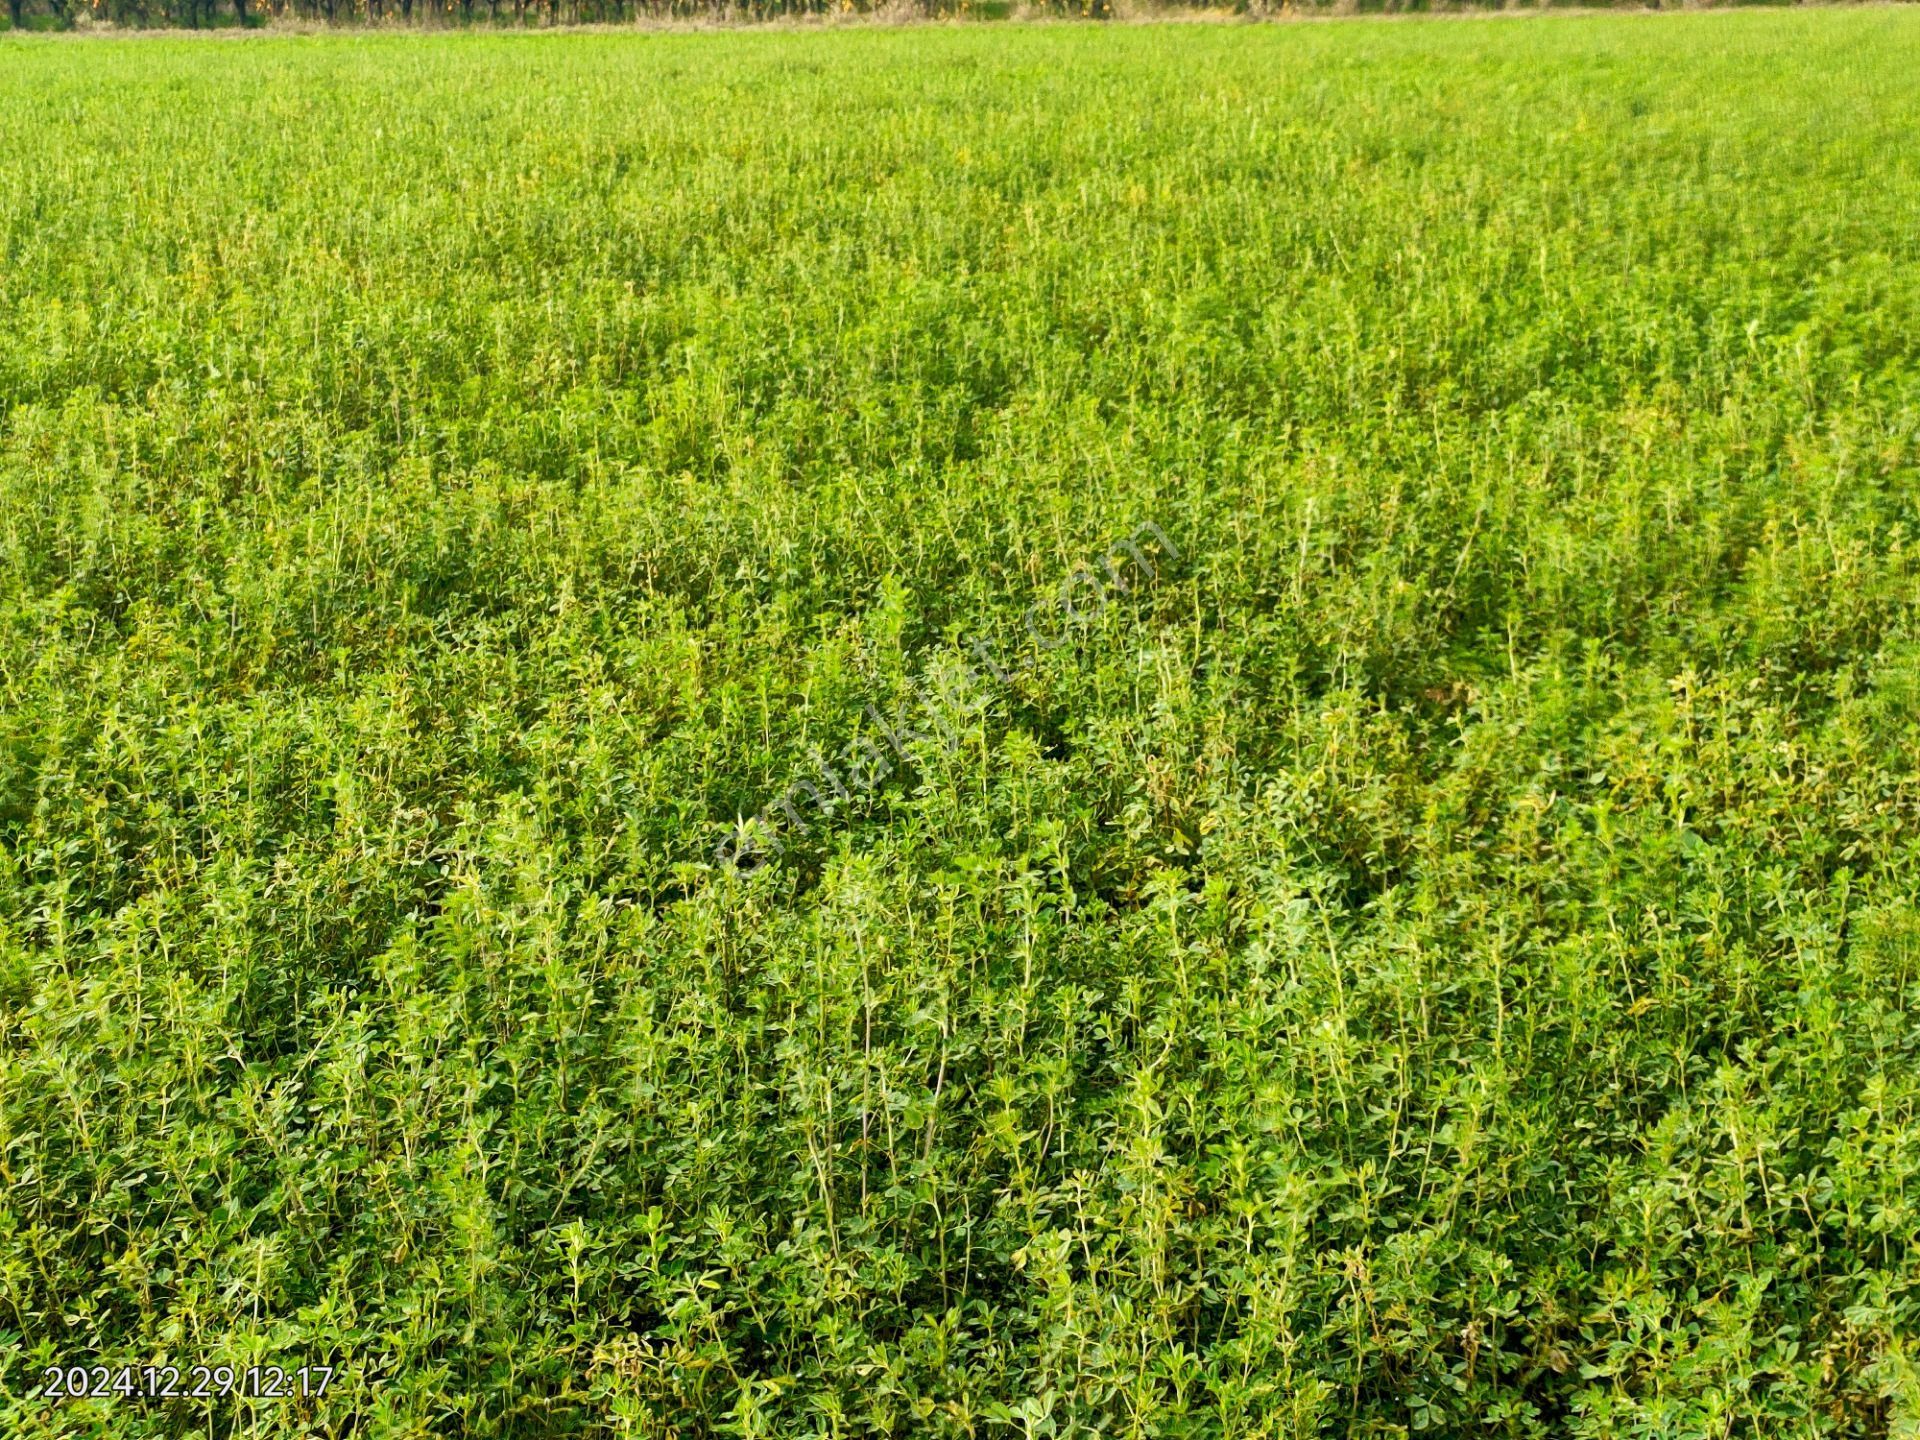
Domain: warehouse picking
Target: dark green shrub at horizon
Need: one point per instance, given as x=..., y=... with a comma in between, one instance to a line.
x=1440, y=959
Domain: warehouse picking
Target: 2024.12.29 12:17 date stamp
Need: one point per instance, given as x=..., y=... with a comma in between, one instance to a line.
x=189, y=1382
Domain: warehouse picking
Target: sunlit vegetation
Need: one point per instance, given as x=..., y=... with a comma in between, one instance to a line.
x=1441, y=958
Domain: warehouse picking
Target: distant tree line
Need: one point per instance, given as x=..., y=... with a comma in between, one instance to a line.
x=212, y=14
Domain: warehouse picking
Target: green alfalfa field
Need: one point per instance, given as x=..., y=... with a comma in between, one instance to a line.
x=1429, y=948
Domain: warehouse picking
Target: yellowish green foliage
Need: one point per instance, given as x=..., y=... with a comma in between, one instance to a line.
x=1442, y=957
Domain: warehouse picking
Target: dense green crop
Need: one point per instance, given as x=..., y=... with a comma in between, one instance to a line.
x=1440, y=954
